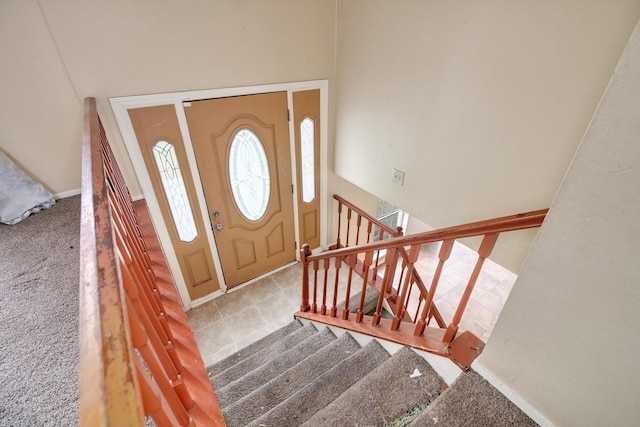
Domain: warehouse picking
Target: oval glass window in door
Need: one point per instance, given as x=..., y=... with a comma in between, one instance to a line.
x=249, y=174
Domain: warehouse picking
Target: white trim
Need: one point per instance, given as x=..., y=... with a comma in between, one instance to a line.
x=213, y=295
x=65, y=194
x=511, y=395
x=324, y=149
x=120, y=105
x=294, y=172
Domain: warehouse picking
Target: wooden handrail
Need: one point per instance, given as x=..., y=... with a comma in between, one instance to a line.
x=138, y=356
x=520, y=221
x=399, y=277
x=108, y=388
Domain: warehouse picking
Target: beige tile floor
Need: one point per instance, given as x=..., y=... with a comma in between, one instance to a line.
x=244, y=315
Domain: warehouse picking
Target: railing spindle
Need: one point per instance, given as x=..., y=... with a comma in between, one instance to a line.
x=365, y=280
x=314, y=306
x=443, y=256
x=338, y=243
x=402, y=301
x=488, y=242
x=334, y=307
x=345, y=312
x=348, y=226
x=323, y=309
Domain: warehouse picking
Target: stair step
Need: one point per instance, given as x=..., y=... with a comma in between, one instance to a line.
x=280, y=388
x=255, y=379
x=325, y=389
x=253, y=348
x=384, y=394
x=262, y=356
x=370, y=301
x=471, y=400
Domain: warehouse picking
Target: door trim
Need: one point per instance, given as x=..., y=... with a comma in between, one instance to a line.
x=120, y=105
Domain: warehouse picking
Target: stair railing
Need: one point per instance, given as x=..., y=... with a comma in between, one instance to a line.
x=138, y=356
x=414, y=331
x=360, y=226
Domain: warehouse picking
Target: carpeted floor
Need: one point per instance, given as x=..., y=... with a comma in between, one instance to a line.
x=39, y=318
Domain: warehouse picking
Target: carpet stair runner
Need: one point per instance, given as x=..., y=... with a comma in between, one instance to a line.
x=301, y=376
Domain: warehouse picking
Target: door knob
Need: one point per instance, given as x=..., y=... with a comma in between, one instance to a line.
x=219, y=226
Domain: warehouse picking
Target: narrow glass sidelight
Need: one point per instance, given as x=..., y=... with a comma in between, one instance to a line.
x=308, y=161
x=249, y=174
x=168, y=167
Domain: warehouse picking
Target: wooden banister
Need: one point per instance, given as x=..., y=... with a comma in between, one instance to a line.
x=498, y=225
x=108, y=385
x=138, y=356
x=398, y=279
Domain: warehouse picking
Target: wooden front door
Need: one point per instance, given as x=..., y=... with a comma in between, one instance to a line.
x=242, y=150
x=162, y=148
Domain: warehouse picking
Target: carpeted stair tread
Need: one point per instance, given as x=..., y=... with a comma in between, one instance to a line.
x=325, y=389
x=370, y=301
x=472, y=401
x=262, y=356
x=383, y=395
x=251, y=381
x=260, y=401
x=253, y=348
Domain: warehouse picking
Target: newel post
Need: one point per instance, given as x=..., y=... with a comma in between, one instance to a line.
x=304, y=253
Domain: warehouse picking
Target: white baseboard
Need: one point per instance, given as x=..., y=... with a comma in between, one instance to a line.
x=137, y=197
x=512, y=396
x=66, y=194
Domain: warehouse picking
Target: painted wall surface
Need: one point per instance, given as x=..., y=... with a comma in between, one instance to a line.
x=567, y=339
x=56, y=52
x=481, y=103
x=40, y=113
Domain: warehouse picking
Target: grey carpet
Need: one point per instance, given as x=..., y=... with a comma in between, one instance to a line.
x=274, y=367
x=325, y=389
x=39, y=278
x=260, y=401
x=389, y=391
x=261, y=357
x=253, y=348
x=370, y=301
x=472, y=401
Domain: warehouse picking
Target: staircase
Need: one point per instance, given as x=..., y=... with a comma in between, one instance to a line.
x=302, y=376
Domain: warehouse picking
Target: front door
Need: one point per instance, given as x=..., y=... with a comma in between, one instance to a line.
x=242, y=150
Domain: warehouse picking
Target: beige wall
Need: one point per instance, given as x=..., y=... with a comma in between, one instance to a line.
x=55, y=53
x=481, y=103
x=567, y=340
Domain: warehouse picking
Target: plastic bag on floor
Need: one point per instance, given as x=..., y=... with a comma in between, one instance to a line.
x=20, y=196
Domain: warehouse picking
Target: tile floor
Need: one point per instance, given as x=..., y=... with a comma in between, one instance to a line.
x=242, y=316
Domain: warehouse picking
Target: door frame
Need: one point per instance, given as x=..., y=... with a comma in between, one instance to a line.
x=120, y=107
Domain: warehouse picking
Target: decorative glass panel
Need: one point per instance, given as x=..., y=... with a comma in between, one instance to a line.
x=175, y=190
x=308, y=161
x=249, y=174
